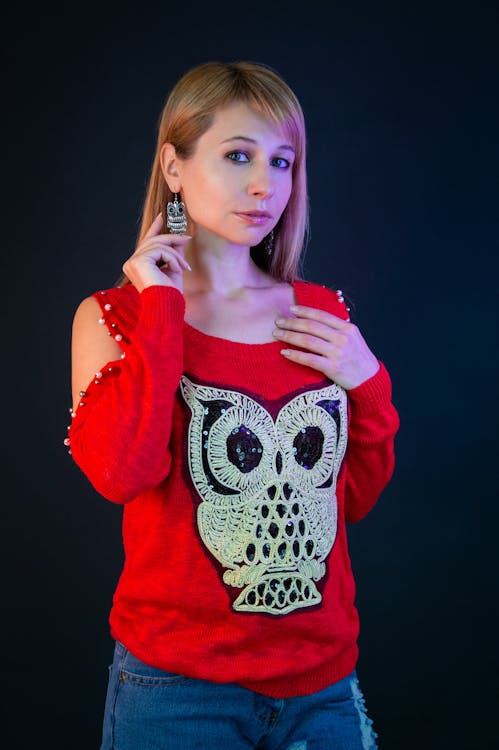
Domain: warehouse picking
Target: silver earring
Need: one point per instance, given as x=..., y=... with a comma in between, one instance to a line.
x=269, y=243
x=175, y=213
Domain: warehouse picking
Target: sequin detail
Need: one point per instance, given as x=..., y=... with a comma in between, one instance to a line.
x=268, y=508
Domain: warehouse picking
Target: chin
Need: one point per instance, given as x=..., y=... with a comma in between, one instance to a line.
x=243, y=241
x=247, y=238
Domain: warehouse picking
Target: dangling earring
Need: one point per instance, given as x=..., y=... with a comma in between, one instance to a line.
x=269, y=242
x=175, y=213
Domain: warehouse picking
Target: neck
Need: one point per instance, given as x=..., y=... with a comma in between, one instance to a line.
x=220, y=267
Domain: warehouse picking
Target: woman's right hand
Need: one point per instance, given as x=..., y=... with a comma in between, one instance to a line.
x=142, y=267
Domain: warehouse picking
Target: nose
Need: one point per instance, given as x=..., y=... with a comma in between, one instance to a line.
x=260, y=183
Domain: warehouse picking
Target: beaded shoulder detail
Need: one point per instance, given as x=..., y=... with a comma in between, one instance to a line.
x=327, y=298
x=119, y=311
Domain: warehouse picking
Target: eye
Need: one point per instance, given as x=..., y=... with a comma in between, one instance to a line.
x=281, y=163
x=238, y=156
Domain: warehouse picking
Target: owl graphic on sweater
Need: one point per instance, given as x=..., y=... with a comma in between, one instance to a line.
x=267, y=485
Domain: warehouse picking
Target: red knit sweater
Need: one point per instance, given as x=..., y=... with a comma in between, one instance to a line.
x=237, y=469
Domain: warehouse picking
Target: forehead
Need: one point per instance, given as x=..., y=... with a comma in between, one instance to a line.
x=239, y=119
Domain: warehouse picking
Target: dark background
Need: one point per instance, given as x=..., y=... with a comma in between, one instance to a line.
x=402, y=112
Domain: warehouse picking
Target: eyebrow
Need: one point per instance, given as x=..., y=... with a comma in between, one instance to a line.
x=284, y=146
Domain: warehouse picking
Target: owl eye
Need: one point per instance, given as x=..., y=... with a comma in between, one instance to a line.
x=307, y=446
x=176, y=209
x=244, y=449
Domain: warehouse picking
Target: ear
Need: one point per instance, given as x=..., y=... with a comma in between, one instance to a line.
x=169, y=166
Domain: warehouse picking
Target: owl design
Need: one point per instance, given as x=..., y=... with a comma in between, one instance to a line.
x=267, y=486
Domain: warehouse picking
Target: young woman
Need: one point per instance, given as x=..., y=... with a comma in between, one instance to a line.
x=241, y=419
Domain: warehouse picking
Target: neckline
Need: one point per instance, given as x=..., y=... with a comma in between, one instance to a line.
x=223, y=344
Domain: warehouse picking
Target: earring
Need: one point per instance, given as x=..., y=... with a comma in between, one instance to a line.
x=269, y=243
x=175, y=213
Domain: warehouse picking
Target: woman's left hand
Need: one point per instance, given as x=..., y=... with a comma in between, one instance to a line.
x=334, y=346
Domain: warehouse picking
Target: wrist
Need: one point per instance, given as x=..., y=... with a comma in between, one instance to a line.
x=162, y=303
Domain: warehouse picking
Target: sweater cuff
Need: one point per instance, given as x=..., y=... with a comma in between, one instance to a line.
x=162, y=304
x=374, y=394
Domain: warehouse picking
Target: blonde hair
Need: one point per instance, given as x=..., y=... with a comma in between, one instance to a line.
x=189, y=112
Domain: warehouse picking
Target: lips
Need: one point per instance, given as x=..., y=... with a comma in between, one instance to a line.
x=256, y=218
x=255, y=213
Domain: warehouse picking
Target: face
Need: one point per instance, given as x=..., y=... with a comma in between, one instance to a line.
x=238, y=181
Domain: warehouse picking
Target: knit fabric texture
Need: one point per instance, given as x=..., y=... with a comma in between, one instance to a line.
x=237, y=470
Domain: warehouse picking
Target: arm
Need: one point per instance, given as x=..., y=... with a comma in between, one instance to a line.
x=369, y=459
x=121, y=427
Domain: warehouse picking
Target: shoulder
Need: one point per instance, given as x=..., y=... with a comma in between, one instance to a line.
x=310, y=294
x=125, y=298
x=117, y=308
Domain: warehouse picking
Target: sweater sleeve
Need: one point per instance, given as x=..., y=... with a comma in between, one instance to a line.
x=370, y=458
x=121, y=428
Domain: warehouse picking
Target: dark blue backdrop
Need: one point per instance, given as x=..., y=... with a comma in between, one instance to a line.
x=402, y=119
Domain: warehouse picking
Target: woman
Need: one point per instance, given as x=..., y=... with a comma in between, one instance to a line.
x=241, y=419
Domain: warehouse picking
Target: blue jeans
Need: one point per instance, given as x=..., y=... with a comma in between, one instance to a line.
x=148, y=709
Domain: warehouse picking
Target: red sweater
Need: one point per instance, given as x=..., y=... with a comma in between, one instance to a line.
x=237, y=469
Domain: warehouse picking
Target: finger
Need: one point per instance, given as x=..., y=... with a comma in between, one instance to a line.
x=154, y=253
x=162, y=252
x=308, y=360
x=168, y=262
x=313, y=313
x=312, y=327
x=155, y=227
x=305, y=341
x=165, y=241
x=177, y=240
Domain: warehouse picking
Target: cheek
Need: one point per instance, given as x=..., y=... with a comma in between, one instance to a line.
x=204, y=189
x=285, y=192
x=207, y=200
